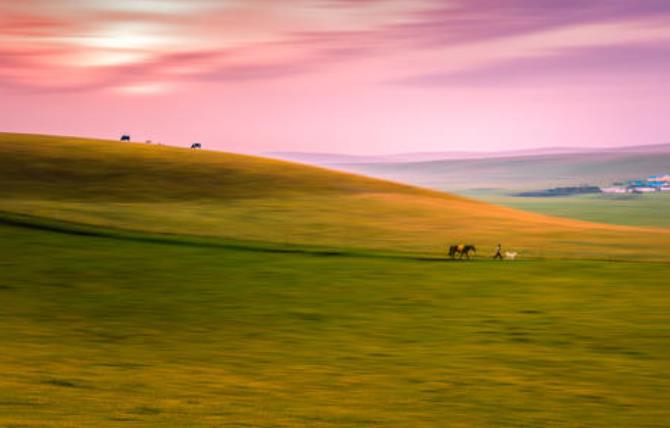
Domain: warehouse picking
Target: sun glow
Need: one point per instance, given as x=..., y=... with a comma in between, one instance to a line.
x=149, y=88
x=129, y=35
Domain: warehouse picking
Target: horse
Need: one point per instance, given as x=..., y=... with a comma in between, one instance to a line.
x=196, y=146
x=125, y=138
x=462, y=250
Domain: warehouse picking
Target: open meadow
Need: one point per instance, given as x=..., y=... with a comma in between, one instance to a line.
x=153, y=286
x=651, y=210
x=111, y=332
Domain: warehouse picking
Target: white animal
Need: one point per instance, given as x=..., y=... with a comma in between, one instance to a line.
x=510, y=255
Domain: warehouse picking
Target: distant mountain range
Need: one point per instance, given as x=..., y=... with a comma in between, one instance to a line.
x=329, y=159
x=518, y=170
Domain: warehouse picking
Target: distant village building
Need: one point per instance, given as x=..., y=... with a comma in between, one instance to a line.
x=659, y=178
x=615, y=190
x=653, y=183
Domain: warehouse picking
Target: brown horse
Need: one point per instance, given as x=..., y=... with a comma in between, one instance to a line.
x=462, y=250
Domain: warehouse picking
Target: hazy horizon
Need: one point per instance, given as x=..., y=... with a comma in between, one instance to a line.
x=567, y=149
x=375, y=77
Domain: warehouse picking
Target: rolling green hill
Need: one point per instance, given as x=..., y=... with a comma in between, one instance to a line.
x=164, y=190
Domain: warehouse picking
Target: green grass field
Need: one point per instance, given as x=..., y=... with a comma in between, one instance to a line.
x=110, y=332
x=151, y=286
x=652, y=210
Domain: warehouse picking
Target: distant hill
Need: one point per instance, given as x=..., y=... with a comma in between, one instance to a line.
x=328, y=159
x=595, y=167
x=649, y=148
x=323, y=159
x=183, y=192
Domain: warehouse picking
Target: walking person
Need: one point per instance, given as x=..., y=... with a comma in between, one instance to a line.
x=498, y=253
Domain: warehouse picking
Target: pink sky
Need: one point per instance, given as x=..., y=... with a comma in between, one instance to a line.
x=347, y=76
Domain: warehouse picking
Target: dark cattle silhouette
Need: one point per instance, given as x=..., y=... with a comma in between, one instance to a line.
x=196, y=146
x=462, y=250
x=125, y=138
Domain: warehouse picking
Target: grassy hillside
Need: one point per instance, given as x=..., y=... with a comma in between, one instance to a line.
x=114, y=332
x=74, y=169
x=183, y=192
x=522, y=173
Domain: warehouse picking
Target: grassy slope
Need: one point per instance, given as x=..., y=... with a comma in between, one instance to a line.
x=108, y=332
x=527, y=173
x=167, y=190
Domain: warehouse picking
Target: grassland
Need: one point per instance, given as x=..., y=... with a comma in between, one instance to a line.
x=151, y=286
x=651, y=210
x=112, y=332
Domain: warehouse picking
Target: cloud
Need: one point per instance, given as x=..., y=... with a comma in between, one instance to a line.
x=98, y=44
x=594, y=63
x=476, y=20
x=111, y=43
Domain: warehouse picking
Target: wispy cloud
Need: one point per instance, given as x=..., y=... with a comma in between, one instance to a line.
x=126, y=43
x=476, y=20
x=95, y=39
x=521, y=41
x=582, y=64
